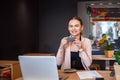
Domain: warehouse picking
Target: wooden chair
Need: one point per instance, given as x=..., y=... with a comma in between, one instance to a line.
x=95, y=66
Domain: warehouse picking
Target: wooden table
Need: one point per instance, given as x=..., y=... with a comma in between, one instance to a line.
x=39, y=54
x=117, y=72
x=15, y=68
x=102, y=57
x=74, y=76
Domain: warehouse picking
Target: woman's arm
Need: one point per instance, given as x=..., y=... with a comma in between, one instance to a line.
x=60, y=53
x=86, y=53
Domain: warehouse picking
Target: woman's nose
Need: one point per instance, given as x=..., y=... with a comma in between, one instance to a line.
x=73, y=27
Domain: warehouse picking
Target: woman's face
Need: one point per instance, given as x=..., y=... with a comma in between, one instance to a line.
x=74, y=27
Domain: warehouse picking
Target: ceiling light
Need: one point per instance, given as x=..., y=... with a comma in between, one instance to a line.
x=101, y=4
x=109, y=3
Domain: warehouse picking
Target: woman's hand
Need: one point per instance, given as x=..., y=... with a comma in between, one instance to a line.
x=64, y=41
x=77, y=42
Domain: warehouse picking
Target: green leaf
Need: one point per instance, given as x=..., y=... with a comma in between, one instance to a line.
x=117, y=56
x=109, y=47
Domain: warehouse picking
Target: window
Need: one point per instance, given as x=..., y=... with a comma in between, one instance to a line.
x=110, y=28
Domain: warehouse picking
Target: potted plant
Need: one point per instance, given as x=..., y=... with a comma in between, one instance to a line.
x=109, y=51
x=117, y=56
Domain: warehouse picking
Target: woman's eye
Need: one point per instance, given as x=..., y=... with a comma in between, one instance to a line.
x=70, y=26
x=76, y=25
x=73, y=26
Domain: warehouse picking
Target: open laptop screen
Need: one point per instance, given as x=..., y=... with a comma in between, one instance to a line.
x=38, y=67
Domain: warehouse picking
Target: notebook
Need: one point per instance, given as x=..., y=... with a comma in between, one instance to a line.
x=39, y=68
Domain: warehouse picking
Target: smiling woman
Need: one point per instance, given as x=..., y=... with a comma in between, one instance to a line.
x=75, y=53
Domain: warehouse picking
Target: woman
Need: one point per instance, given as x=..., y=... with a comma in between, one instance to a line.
x=75, y=53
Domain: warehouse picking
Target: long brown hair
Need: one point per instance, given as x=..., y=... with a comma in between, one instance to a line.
x=77, y=18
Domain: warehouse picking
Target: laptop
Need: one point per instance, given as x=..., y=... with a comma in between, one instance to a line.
x=39, y=68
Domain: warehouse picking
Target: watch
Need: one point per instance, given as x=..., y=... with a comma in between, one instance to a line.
x=81, y=50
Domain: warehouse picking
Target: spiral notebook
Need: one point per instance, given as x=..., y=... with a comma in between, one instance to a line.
x=89, y=74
